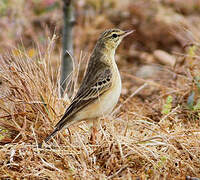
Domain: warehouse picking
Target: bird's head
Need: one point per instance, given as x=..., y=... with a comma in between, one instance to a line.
x=111, y=38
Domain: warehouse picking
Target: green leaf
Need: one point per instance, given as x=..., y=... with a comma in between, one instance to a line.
x=191, y=51
x=169, y=99
x=163, y=159
x=168, y=105
x=45, y=105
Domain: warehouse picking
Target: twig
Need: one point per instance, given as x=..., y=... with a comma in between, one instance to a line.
x=120, y=170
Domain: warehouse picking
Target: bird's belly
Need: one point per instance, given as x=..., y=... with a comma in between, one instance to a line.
x=107, y=102
x=103, y=105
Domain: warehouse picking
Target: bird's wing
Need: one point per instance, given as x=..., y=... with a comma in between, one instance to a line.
x=87, y=93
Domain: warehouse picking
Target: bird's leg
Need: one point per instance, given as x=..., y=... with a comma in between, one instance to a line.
x=93, y=137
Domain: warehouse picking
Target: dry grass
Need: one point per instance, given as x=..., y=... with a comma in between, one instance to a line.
x=130, y=142
x=154, y=132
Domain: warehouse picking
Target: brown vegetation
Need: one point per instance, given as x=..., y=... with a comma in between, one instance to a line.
x=154, y=132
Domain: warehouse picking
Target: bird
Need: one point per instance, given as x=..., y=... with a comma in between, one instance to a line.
x=101, y=86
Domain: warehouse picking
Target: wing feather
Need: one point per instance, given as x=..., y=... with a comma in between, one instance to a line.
x=87, y=94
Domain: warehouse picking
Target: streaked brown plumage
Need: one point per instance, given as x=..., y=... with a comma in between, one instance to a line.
x=101, y=86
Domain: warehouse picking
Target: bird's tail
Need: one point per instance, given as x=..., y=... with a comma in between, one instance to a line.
x=63, y=122
x=49, y=137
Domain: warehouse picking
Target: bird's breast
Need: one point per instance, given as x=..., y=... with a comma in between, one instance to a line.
x=105, y=103
x=111, y=97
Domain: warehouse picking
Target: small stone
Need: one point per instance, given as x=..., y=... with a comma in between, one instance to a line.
x=124, y=91
x=147, y=71
x=164, y=57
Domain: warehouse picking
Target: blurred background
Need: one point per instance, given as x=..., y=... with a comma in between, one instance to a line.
x=158, y=25
x=163, y=27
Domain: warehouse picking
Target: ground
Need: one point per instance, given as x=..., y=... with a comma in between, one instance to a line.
x=153, y=133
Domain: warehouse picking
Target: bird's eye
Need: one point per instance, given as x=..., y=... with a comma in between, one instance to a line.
x=114, y=35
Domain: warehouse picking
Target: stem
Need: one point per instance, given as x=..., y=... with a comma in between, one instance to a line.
x=67, y=43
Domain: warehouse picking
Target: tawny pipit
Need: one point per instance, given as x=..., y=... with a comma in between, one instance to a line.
x=101, y=86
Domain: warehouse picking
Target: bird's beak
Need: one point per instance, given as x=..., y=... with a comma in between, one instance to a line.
x=126, y=33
